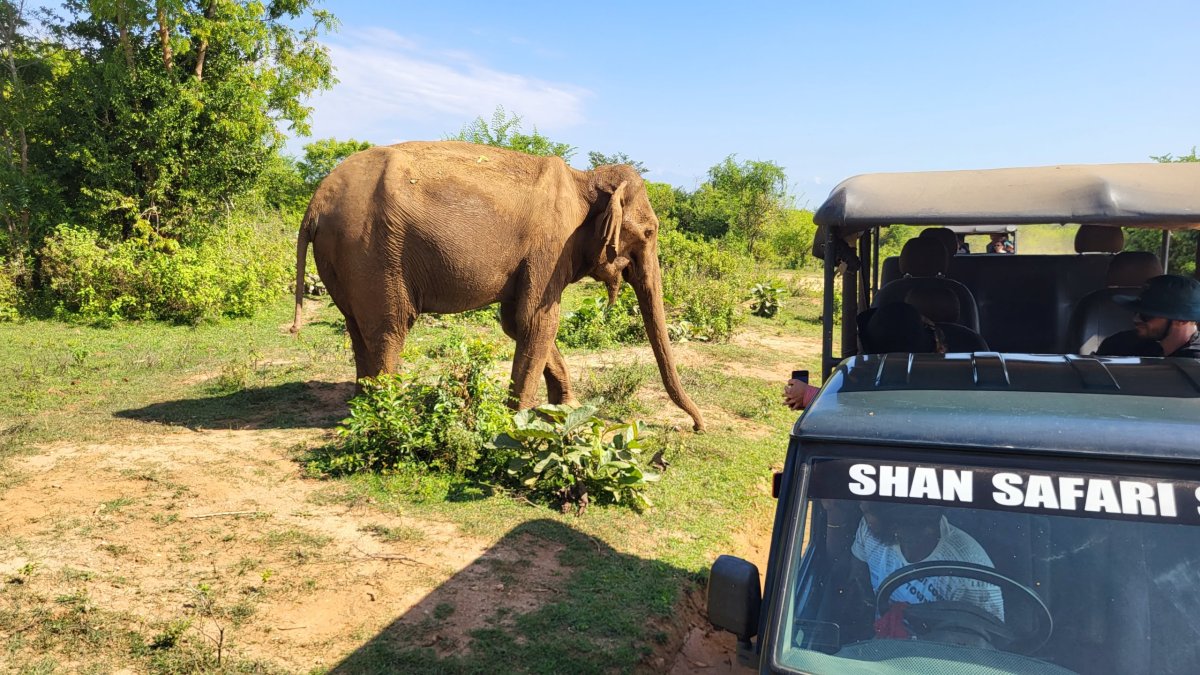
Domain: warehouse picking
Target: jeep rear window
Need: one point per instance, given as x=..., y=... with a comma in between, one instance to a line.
x=947, y=568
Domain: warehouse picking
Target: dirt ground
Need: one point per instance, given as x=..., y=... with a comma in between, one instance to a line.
x=222, y=525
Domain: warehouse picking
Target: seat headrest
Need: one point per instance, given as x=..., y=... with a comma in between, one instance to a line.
x=924, y=258
x=894, y=327
x=1132, y=268
x=936, y=303
x=944, y=235
x=1099, y=239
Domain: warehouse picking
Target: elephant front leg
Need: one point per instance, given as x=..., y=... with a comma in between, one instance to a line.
x=535, y=331
x=558, y=380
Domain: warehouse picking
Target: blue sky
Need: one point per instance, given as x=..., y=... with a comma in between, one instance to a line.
x=825, y=89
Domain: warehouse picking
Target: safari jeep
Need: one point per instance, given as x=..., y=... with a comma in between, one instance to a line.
x=1026, y=509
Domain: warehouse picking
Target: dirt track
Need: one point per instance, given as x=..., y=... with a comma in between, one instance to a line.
x=222, y=526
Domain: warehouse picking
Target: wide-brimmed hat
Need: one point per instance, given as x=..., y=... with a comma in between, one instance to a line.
x=1169, y=296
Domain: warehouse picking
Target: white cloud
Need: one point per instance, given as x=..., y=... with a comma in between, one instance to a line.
x=392, y=89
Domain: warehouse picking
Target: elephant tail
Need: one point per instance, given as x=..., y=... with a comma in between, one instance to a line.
x=301, y=263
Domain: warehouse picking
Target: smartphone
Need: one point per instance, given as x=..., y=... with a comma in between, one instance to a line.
x=801, y=375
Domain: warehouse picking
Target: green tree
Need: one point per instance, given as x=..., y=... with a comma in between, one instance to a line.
x=29, y=72
x=168, y=111
x=596, y=159
x=505, y=132
x=1184, y=252
x=753, y=194
x=321, y=156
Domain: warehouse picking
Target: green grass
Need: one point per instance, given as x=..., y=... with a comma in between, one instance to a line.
x=621, y=571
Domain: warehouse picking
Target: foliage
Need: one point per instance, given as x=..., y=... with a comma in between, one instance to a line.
x=505, y=132
x=320, y=157
x=893, y=238
x=703, y=287
x=570, y=455
x=665, y=200
x=10, y=295
x=704, y=213
x=764, y=299
x=596, y=325
x=752, y=193
x=596, y=159
x=232, y=273
x=1184, y=251
x=145, y=122
x=439, y=416
x=790, y=242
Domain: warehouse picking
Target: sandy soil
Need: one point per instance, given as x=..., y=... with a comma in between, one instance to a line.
x=157, y=524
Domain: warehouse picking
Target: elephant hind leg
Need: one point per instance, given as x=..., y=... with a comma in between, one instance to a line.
x=377, y=346
x=558, y=381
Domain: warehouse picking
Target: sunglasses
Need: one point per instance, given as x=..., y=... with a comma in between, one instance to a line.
x=1144, y=318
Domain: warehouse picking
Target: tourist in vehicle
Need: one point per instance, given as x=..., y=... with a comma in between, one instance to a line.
x=890, y=536
x=963, y=247
x=1165, y=324
x=1000, y=243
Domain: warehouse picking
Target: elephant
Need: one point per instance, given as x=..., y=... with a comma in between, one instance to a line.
x=449, y=226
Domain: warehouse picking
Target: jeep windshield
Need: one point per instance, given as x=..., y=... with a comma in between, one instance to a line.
x=999, y=564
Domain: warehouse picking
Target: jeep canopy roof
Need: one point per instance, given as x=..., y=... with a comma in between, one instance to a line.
x=1130, y=195
x=1159, y=196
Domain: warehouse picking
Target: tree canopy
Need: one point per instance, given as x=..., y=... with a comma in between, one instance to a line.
x=140, y=119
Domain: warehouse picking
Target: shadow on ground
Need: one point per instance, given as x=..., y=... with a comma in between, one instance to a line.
x=546, y=598
x=292, y=405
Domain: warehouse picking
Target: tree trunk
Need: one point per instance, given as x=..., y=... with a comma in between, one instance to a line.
x=123, y=31
x=202, y=51
x=646, y=279
x=164, y=36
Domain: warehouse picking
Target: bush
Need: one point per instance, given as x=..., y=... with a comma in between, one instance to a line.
x=790, y=242
x=232, y=273
x=702, y=286
x=596, y=325
x=439, y=416
x=570, y=456
x=764, y=299
x=10, y=295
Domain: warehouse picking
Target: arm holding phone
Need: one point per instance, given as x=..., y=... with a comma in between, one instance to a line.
x=798, y=393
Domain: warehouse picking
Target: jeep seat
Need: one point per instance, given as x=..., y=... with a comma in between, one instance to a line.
x=1096, y=316
x=923, y=264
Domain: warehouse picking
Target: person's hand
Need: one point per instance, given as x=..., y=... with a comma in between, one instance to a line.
x=798, y=394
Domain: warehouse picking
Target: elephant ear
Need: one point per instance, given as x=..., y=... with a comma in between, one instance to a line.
x=611, y=221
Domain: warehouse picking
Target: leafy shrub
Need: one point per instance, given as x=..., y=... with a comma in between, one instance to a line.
x=571, y=456
x=703, y=286
x=10, y=295
x=439, y=416
x=764, y=299
x=596, y=325
x=232, y=273
x=790, y=241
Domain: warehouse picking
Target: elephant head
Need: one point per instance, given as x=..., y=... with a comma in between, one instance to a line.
x=626, y=241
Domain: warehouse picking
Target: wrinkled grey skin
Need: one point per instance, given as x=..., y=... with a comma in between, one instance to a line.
x=449, y=227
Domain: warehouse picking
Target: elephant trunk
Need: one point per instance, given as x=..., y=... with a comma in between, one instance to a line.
x=646, y=279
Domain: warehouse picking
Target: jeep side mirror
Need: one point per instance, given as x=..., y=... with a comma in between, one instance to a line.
x=734, y=597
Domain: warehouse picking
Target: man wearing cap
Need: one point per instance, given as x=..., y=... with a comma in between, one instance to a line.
x=1167, y=312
